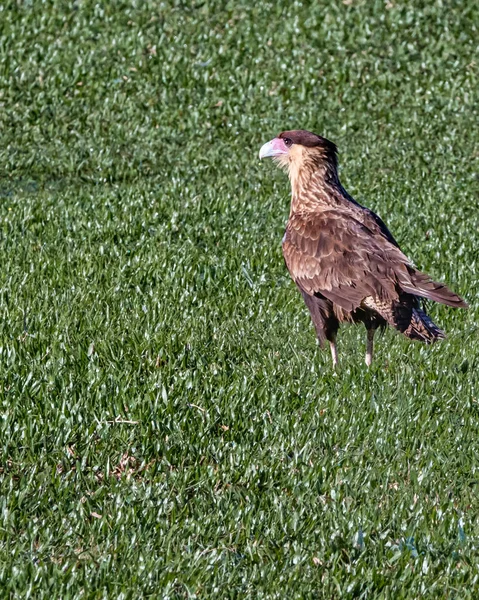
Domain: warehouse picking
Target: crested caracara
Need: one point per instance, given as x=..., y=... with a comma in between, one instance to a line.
x=345, y=262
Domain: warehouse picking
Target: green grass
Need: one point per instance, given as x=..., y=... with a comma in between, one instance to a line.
x=169, y=427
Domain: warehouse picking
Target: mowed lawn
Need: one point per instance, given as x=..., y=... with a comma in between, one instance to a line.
x=169, y=427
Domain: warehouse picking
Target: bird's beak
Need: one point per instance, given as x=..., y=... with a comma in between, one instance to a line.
x=275, y=147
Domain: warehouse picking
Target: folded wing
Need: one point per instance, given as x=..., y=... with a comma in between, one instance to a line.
x=345, y=259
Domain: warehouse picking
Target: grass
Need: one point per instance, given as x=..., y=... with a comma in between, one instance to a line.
x=169, y=427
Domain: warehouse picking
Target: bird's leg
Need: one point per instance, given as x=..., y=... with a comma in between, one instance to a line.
x=369, y=347
x=334, y=352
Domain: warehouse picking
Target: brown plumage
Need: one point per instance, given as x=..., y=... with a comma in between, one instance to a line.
x=341, y=255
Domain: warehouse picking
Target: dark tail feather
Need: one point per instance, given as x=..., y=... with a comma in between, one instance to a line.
x=422, y=328
x=423, y=285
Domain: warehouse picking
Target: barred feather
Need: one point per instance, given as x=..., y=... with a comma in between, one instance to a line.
x=423, y=329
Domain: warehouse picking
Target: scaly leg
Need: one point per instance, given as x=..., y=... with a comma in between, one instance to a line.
x=334, y=353
x=369, y=347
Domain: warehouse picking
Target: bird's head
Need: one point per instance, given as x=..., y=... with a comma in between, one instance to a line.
x=301, y=152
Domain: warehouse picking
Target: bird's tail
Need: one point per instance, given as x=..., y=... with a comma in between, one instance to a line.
x=422, y=285
x=422, y=328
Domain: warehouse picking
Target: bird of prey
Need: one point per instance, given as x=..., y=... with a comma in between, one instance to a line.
x=345, y=262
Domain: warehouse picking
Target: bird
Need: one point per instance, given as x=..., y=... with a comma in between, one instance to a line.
x=342, y=257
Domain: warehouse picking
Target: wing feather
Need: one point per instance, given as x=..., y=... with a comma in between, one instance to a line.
x=346, y=260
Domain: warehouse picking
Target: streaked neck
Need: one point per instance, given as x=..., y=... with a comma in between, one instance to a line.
x=312, y=185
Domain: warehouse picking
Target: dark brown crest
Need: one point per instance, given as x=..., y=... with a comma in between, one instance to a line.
x=308, y=139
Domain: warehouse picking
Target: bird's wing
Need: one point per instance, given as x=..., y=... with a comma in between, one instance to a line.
x=369, y=218
x=372, y=220
x=334, y=254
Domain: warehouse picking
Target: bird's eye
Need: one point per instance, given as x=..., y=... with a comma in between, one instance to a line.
x=288, y=142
